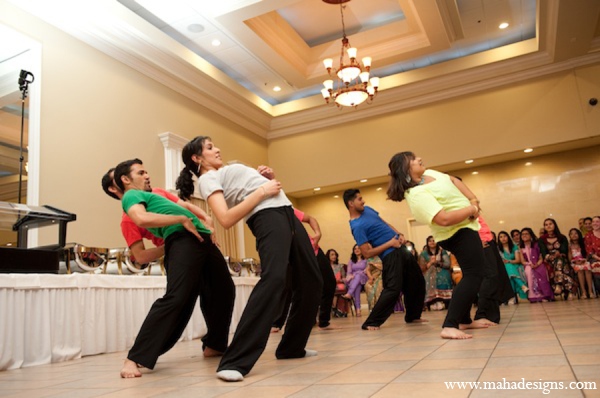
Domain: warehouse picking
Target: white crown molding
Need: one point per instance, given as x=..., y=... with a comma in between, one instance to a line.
x=429, y=91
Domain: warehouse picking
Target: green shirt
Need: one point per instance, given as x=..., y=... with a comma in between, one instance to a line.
x=157, y=204
x=427, y=200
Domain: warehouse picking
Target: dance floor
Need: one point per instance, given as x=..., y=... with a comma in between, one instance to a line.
x=546, y=345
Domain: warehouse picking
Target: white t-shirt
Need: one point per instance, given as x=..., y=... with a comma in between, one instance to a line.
x=237, y=181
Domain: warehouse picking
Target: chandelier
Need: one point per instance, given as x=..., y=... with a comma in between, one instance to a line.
x=354, y=84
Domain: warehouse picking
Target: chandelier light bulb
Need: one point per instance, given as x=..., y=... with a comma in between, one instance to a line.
x=352, y=53
x=375, y=82
x=354, y=82
x=367, y=62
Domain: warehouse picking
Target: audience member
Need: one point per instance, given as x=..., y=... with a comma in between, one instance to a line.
x=592, y=247
x=374, y=285
x=511, y=255
x=515, y=234
x=537, y=275
x=587, y=226
x=435, y=264
x=356, y=277
x=554, y=248
x=339, y=305
x=579, y=262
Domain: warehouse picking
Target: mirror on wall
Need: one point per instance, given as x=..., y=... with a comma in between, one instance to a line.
x=16, y=55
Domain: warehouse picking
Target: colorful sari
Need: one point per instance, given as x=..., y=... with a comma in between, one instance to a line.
x=556, y=256
x=537, y=276
x=438, y=279
x=516, y=272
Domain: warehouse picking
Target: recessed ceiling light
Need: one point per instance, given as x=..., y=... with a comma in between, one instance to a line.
x=336, y=196
x=528, y=164
x=277, y=88
x=364, y=180
x=216, y=42
x=379, y=189
x=475, y=173
x=503, y=25
x=501, y=222
x=196, y=28
x=316, y=189
x=469, y=161
x=528, y=150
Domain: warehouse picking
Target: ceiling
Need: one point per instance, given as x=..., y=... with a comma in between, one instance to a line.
x=267, y=44
x=423, y=50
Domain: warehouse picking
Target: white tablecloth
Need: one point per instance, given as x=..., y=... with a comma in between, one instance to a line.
x=47, y=318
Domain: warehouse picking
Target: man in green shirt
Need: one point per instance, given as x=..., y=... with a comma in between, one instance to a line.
x=195, y=268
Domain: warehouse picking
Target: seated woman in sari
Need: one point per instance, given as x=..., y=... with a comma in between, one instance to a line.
x=554, y=248
x=340, y=305
x=579, y=263
x=435, y=264
x=374, y=284
x=537, y=276
x=511, y=255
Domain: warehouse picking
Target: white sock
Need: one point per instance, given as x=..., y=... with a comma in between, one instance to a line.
x=310, y=353
x=230, y=375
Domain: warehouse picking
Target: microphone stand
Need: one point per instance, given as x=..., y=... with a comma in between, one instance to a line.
x=23, y=86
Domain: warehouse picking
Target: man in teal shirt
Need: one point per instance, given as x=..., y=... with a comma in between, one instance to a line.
x=195, y=268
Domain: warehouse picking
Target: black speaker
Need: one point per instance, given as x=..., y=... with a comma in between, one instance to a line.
x=29, y=261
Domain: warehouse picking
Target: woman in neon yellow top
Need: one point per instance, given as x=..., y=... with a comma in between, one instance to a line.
x=451, y=210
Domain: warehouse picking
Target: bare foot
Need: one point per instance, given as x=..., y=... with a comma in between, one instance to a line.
x=473, y=325
x=371, y=328
x=209, y=352
x=485, y=322
x=275, y=329
x=130, y=370
x=329, y=327
x=420, y=320
x=454, y=334
x=358, y=313
x=346, y=296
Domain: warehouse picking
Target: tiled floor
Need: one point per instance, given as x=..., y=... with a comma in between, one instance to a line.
x=537, y=343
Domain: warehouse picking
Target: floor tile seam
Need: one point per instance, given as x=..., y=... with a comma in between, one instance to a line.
x=512, y=315
x=562, y=348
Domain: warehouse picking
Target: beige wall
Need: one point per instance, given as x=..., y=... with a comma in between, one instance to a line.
x=96, y=112
x=535, y=113
x=564, y=186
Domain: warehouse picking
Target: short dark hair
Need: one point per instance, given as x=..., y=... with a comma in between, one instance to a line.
x=587, y=218
x=123, y=169
x=350, y=194
x=107, y=182
x=512, y=232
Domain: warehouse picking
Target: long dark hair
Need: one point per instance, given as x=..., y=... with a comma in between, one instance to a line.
x=437, y=246
x=557, y=233
x=532, y=234
x=510, y=242
x=354, y=257
x=185, y=181
x=579, y=241
x=400, y=181
x=337, y=256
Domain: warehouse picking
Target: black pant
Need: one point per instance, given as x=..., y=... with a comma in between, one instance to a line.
x=495, y=286
x=401, y=272
x=194, y=269
x=468, y=249
x=326, y=294
x=281, y=240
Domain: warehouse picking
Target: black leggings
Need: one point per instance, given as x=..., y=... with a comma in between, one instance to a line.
x=283, y=245
x=194, y=269
x=468, y=249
